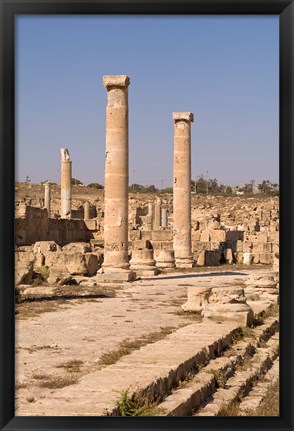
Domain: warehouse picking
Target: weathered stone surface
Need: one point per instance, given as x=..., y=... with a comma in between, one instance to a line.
x=228, y=255
x=198, y=298
x=75, y=263
x=165, y=259
x=92, y=263
x=238, y=312
x=81, y=247
x=247, y=258
x=58, y=275
x=44, y=246
x=24, y=263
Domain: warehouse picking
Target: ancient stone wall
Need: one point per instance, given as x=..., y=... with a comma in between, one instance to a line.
x=32, y=225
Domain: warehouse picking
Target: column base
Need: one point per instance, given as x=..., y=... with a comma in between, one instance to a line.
x=116, y=274
x=185, y=263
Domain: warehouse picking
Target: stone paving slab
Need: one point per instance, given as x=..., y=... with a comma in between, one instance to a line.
x=97, y=392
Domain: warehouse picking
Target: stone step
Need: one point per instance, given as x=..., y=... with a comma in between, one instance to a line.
x=153, y=370
x=238, y=386
x=256, y=396
x=191, y=394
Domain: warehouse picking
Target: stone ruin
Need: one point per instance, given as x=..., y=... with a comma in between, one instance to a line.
x=124, y=238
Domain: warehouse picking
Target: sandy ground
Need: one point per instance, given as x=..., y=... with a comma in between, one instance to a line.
x=66, y=339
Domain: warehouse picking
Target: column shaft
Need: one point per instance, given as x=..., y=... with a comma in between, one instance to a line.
x=65, y=188
x=182, y=189
x=116, y=173
x=47, y=198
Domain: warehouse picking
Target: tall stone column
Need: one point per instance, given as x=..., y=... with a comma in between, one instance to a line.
x=87, y=210
x=182, y=190
x=157, y=214
x=65, y=183
x=116, y=174
x=47, y=197
x=164, y=217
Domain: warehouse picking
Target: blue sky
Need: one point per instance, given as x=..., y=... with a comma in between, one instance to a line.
x=223, y=69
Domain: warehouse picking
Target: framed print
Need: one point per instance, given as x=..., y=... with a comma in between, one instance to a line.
x=147, y=215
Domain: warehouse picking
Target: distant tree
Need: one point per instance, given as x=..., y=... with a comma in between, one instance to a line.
x=138, y=188
x=229, y=190
x=151, y=189
x=75, y=182
x=268, y=188
x=167, y=190
x=201, y=185
x=247, y=188
x=96, y=186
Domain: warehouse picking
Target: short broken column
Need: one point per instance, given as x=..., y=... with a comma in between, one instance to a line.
x=182, y=190
x=142, y=258
x=149, y=217
x=65, y=183
x=116, y=176
x=87, y=211
x=164, y=220
x=157, y=214
x=47, y=197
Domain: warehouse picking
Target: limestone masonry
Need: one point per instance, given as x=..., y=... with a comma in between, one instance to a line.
x=189, y=340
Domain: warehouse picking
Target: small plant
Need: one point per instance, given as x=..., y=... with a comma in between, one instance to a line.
x=130, y=406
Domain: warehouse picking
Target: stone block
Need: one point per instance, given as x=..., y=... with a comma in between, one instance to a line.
x=256, y=258
x=247, y=258
x=75, y=263
x=217, y=235
x=265, y=258
x=239, y=257
x=58, y=275
x=45, y=246
x=90, y=224
x=141, y=245
x=81, y=247
x=212, y=258
x=146, y=234
x=24, y=263
x=201, y=259
x=247, y=247
x=135, y=235
x=196, y=235
x=200, y=246
x=116, y=276
x=92, y=264
x=205, y=235
x=162, y=235
x=228, y=255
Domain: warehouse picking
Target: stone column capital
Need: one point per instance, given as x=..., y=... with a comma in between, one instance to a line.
x=186, y=116
x=114, y=81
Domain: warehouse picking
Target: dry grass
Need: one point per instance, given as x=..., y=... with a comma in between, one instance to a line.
x=35, y=348
x=21, y=385
x=78, y=290
x=28, y=310
x=231, y=409
x=196, y=316
x=270, y=405
x=72, y=366
x=127, y=346
x=54, y=382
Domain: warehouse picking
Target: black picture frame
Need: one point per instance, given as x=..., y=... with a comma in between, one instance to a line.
x=8, y=10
